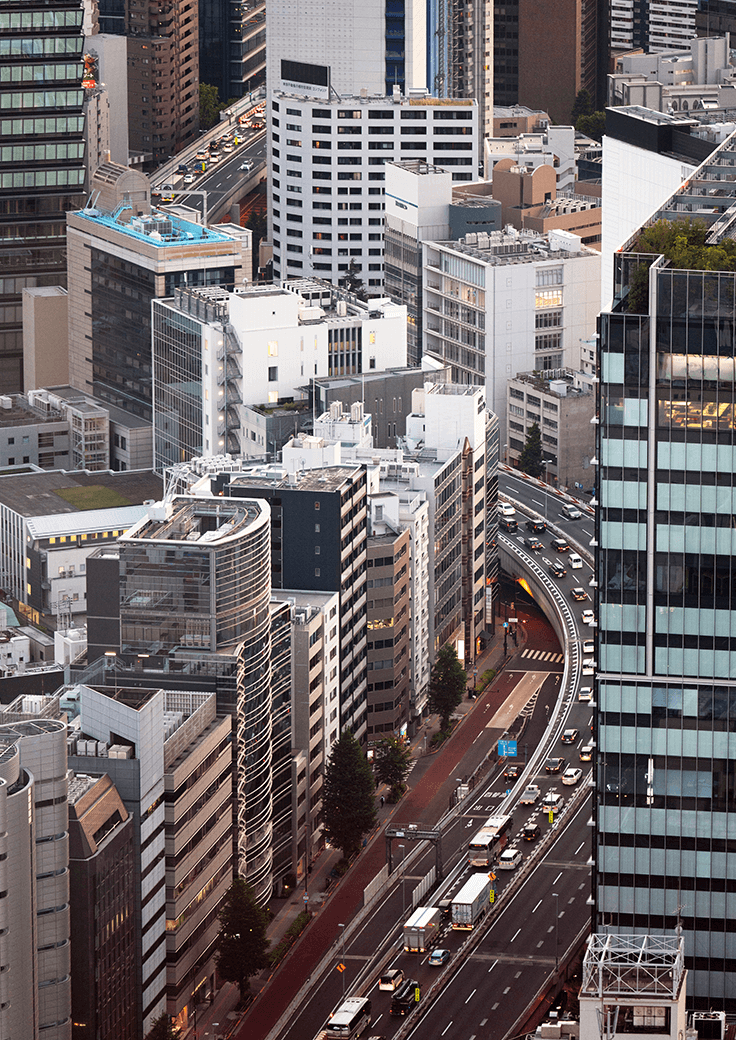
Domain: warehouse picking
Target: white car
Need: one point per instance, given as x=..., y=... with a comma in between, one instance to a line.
x=585, y=693
x=530, y=795
x=247, y=165
x=571, y=776
x=505, y=509
x=588, y=617
x=571, y=512
x=588, y=666
x=588, y=646
x=552, y=802
x=509, y=859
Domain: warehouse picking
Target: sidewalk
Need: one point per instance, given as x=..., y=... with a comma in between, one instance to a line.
x=220, y=1019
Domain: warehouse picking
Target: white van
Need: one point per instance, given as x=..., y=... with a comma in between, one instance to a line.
x=575, y=561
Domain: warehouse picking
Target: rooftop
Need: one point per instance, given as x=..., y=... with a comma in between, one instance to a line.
x=76, y=397
x=331, y=478
x=57, y=491
x=381, y=100
x=16, y=411
x=159, y=229
x=500, y=248
x=204, y=521
x=651, y=965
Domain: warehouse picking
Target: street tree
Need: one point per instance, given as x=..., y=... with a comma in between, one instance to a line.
x=446, y=685
x=582, y=106
x=210, y=106
x=163, y=1029
x=530, y=460
x=392, y=763
x=242, y=943
x=348, y=796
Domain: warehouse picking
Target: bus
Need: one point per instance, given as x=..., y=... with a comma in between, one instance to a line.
x=483, y=845
x=350, y=1019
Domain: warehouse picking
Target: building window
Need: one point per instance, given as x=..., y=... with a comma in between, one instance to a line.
x=273, y=374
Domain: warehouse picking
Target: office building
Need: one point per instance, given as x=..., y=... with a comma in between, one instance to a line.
x=544, y=55
x=662, y=26
x=121, y=256
x=42, y=157
x=530, y=199
x=208, y=596
x=232, y=46
x=51, y=521
x=509, y=302
x=35, y=954
x=218, y=354
x=102, y=902
x=562, y=406
x=664, y=565
x=327, y=157
x=106, y=65
x=549, y=146
x=701, y=74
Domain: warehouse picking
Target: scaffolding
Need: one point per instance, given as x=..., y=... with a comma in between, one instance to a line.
x=633, y=965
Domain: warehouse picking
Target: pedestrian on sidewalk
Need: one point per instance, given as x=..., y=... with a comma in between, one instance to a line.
x=383, y=801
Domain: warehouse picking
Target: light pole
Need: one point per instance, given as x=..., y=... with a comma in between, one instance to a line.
x=403, y=885
x=545, y=463
x=342, y=959
x=557, y=931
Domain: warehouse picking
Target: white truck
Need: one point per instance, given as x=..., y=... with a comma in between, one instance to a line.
x=422, y=930
x=471, y=902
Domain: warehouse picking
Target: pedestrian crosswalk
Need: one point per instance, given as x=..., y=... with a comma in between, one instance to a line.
x=542, y=655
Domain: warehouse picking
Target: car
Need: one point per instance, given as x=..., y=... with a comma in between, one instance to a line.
x=530, y=831
x=215, y=157
x=202, y=156
x=533, y=543
x=182, y=168
x=537, y=526
x=588, y=646
x=571, y=776
x=578, y=593
x=588, y=617
x=586, y=753
x=552, y=802
x=439, y=957
x=585, y=693
x=509, y=859
x=391, y=979
x=559, y=544
x=570, y=736
x=554, y=765
x=530, y=795
x=190, y=178
x=508, y=523
x=247, y=165
x=571, y=512
x=512, y=773
x=588, y=666
x=505, y=509
x=556, y=568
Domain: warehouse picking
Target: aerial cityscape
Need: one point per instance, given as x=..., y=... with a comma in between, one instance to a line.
x=367, y=520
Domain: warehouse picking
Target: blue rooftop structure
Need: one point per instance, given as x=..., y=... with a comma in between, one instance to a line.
x=158, y=228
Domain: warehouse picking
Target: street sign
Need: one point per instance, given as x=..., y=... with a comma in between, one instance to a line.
x=513, y=620
x=505, y=624
x=341, y=968
x=507, y=748
x=551, y=816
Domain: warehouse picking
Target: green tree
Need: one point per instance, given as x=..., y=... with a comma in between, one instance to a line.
x=352, y=281
x=446, y=685
x=530, y=460
x=582, y=106
x=162, y=1029
x=393, y=761
x=348, y=796
x=592, y=125
x=210, y=106
x=242, y=944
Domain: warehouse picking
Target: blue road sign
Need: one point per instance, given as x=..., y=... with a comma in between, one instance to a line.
x=507, y=748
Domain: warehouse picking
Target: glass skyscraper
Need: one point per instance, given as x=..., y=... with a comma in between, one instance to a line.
x=665, y=819
x=41, y=157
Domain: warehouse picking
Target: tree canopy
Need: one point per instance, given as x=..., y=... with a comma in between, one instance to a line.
x=163, y=1029
x=242, y=943
x=592, y=125
x=446, y=685
x=530, y=460
x=210, y=106
x=392, y=763
x=582, y=105
x=348, y=796
x=352, y=281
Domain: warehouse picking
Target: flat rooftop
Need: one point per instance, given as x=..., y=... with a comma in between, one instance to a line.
x=196, y=521
x=160, y=229
x=57, y=491
x=72, y=396
x=21, y=414
x=328, y=479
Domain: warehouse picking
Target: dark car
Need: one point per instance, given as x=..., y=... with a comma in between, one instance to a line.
x=570, y=736
x=559, y=544
x=533, y=543
x=406, y=998
x=182, y=168
x=556, y=568
x=579, y=594
x=512, y=773
x=530, y=831
x=507, y=523
x=537, y=526
x=554, y=765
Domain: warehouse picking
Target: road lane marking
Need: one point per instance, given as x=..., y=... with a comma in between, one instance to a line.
x=515, y=934
x=468, y=998
x=490, y=970
x=537, y=906
x=446, y=1028
x=578, y=848
x=557, y=878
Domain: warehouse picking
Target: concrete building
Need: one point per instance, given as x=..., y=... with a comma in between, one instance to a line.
x=665, y=26
x=232, y=46
x=327, y=156
x=563, y=407
x=206, y=349
x=121, y=255
x=35, y=949
x=553, y=146
x=530, y=199
x=509, y=302
x=31, y=435
x=102, y=902
x=163, y=76
x=675, y=81
x=42, y=117
x=106, y=64
x=514, y=120
x=664, y=566
x=96, y=128
x=49, y=524
x=45, y=337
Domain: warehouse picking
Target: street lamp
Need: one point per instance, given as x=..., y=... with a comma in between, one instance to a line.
x=546, y=463
x=403, y=885
x=342, y=959
x=556, y=898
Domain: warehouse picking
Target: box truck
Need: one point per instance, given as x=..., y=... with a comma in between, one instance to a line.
x=471, y=902
x=422, y=929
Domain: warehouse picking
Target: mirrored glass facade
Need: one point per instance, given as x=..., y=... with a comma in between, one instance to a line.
x=41, y=157
x=666, y=643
